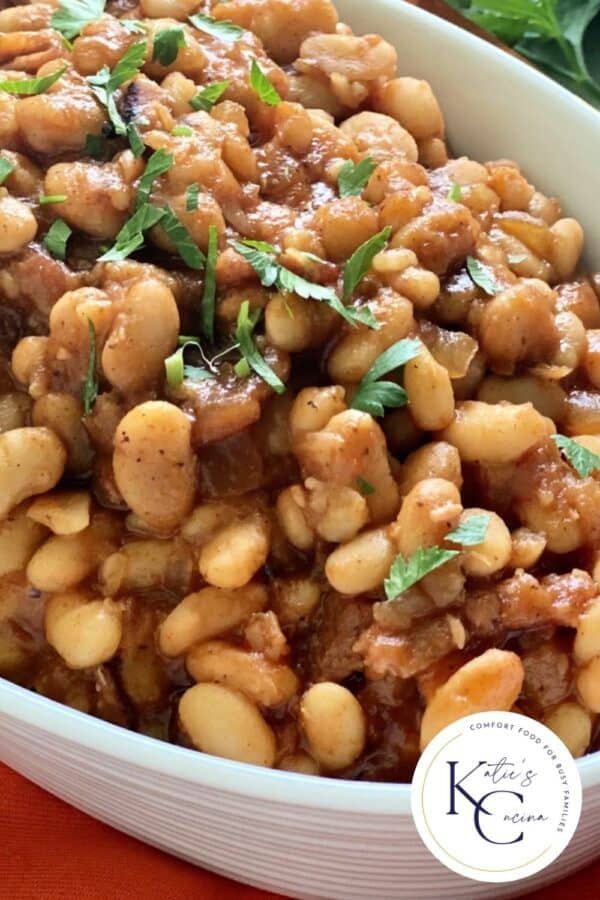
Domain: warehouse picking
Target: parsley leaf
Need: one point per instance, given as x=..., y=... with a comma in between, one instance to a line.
x=207, y=306
x=243, y=335
x=133, y=26
x=28, y=86
x=224, y=30
x=406, y=572
x=55, y=240
x=6, y=167
x=167, y=44
x=181, y=238
x=353, y=178
x=159, y=163
x=105, y=82
x=584, y=461
x=261, y=85
x=94, y=146
x=471, y=531
x=89, y=391
x=455, y=193
x=191, y=198
x=131, y=236
x=364, y=487
x=482, y=278
x=72, y=15
x=176, y=371
x=135, y=141
x=360, y=262
x=52, y=198
x=261, y=256
x=373, y=396
x=182, y=131
x=206, y=98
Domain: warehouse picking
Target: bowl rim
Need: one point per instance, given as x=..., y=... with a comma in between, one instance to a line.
x=204, y=770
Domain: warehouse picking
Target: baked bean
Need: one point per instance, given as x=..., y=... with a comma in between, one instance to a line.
x=345, y=224
x=547, y=397
x=429, y=511
x=495, y=433
x=491, y=682
x=225, y=723
x=207, y=614
x=262, y=681
x=154, y=466
x=587, y=638
x=64, y=560
x=232, y=557
x=380, y=136
x=494, y=552
x=591, y=361
x=412, y=103
x=143, y=334
x=333, y=723
x=572, y=347
x=147, y=565
x=14, y=411
x=294, y=599
x=291, y=514
x=300, y=762
x=32, y=460
x=573, y=726
x=83, y=632
x=527, y=547
x=313, y=408
x=19, y=539
x=66, y=512
x=429, y=392
x=337, y=513
x=174, y=9
x=567, y=235
x=434, y=460
x=17, y=225
x=361, y=564
x=588, y=685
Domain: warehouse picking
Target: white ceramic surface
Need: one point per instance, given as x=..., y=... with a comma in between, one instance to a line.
x=302, y=836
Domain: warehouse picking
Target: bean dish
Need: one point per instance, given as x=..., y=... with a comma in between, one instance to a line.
x=299, y=411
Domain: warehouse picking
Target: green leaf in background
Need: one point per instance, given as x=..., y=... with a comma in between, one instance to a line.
x=562, y=37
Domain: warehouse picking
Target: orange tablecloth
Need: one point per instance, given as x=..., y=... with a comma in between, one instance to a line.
x=49, y=851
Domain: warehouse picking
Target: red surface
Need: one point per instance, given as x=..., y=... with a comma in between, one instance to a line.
x=49, y=851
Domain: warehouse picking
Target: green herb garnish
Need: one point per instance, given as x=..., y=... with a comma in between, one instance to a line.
x=207, y=306
x=52, y=198
x=105, y=82
x=406, y=572
x=584, y=461
x=471, y=531
x=360, y=262
x=94, y=146
x=159, y=163
x=455, y=193
x=261, y=85
x=261, y=256
x=6, y=167
x=372, y=395
x=27, y=86
x=176, y=371
x=167, y=44
x=131, y=236
x=89, y=391
x=243, y=335
x=191, y=198
x=481, y=277
x=133, y=26
x=73, y=15
x=364, y=487
x=205, y=99
x=181, y=238
x=223, y=30
x=55, y=240
x=135, y=141
x=182, y=131
x=352, y=178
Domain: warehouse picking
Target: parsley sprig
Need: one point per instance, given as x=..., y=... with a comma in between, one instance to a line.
x=131, y=236
x=353, y=178
x=360, y=262
x=262, y=257
x=373, y=395
x=584, y=461
x=106, y=81
x=167, y=44
x=73, y=15
x=26, y=87
x=482, y=278
x=243, y=334
x=222, y=29
x=89, y=390
x=55, y=239
x=471, y=531
x=207, y=305
x=6, y=167
x=262, y=87
x=206, y=98
x=406, y=572
x=159, y=163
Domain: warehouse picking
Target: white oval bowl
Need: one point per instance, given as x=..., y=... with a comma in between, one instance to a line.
x=317, y=837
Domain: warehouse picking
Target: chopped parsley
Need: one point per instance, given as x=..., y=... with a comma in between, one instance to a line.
x=27, y=86
x=207, y=305
x=584, y=461
x=159, y=163
x=482, y=278
x=454, y=193
x=55, y=240
x=224, y=30
x=135, y=141
x=167, y=44
x=73, y=15
x=182, y=131
x=353, y=178
x=372, y=395
x=364, y=487
x=106, y=81
x=89, y=391
x=52, y=198
x=243, y=335
x=181, y=238
x=262, y=87
x=191, y=198
x=131, y=236
x=205, y=99
x=360, y=262
x=6, y=167
x=471, y=531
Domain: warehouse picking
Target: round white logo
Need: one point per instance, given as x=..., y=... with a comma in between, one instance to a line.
x=496, y=796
